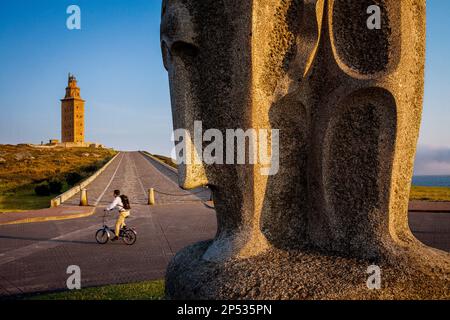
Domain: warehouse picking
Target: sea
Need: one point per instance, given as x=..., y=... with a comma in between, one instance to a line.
x=431, y=181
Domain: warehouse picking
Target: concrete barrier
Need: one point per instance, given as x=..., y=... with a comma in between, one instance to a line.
x=57, y=201
x=149, y=155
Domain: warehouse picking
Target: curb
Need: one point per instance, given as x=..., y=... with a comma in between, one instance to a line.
x=149, y=155
x=50, y=218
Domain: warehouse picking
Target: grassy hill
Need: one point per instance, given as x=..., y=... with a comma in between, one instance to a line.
x=26, y=171
x=166, y=160
x=430, y=193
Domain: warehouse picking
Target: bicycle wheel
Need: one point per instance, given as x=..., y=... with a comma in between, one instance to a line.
x=129, y=237
x=102, y=236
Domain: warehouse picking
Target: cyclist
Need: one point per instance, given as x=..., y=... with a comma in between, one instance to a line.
x=122, y=204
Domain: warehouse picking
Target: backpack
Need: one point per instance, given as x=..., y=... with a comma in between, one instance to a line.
x=125, y=202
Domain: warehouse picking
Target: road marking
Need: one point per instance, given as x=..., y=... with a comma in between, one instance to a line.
x=19, y=253
x=151, y=217
x=137, y=175
x=16, y=254
x=110, y=181
x=25, y=256
x=23, y=252
x=71, y=215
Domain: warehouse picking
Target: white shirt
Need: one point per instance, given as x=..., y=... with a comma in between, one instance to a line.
x=117, y=203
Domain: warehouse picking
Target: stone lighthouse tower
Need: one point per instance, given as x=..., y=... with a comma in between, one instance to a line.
x=72, y=114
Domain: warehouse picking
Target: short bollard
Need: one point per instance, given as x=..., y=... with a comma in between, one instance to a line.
x=151, y=196
x=84, y=198
x=55, y=202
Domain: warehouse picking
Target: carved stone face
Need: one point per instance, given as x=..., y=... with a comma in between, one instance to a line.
x=208, y=70
x=180, y=51
x=347, y=100
x=206, y=51
x=331, y=86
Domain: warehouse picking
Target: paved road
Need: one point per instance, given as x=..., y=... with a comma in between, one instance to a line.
x=134, y=173
x=34, y=257
x=432, y=228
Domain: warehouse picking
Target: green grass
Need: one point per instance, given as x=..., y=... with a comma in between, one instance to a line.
x=22, y=168
x=23, y=201
x=148, y=290
x=430, y=193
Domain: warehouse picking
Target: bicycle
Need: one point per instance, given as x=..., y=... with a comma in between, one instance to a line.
x=103, y=235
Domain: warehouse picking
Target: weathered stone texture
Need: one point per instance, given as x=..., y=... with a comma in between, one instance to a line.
x=348, y=102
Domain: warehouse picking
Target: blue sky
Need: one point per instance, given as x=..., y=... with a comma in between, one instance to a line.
x=116, y=58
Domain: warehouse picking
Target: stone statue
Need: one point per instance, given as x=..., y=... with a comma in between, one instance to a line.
x=347, y=100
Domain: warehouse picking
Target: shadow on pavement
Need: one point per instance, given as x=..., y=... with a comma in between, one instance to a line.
x=48, y=240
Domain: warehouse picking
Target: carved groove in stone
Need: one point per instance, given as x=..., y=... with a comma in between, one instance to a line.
x=361, y=134
x=359, y=50
x=348, y=104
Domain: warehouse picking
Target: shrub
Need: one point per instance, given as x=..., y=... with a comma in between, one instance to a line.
x=73, y=178
x=55, y=186
x=65, y=186
x=42, y=189
x=91, y=168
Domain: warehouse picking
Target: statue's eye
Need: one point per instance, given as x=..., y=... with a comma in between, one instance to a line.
x=165, y=54
x=184, y=50
x=164, y=8
x=178, y=49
